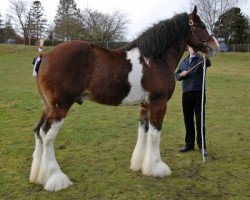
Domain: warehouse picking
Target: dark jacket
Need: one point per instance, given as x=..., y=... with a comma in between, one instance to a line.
x=193, y=81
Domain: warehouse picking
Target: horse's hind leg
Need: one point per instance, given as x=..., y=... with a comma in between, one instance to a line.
x=50, y=174
x=152, y=164
x=140, y=147
x=37, y=155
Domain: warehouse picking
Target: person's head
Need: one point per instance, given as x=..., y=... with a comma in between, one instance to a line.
x=191, y=50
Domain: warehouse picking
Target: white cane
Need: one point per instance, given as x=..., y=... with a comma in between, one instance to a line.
x=202, y=108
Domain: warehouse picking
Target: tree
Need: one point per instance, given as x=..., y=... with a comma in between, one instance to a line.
x=240, y=27
x=248, y=31
x=36, y=22
x=9, y=32
x=1, y=28
x=1, y=21
x=68, y=21
x=211, y=9
x=18, y=12
x=50, y=32
x=232, y=26
x=104, y=27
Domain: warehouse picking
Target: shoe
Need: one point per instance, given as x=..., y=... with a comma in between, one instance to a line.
x=205, y=152
x=186, y=149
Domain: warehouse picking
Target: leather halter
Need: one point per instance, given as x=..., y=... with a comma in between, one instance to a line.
x=203, y=42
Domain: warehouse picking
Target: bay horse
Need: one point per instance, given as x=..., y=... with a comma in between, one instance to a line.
x=143, y=71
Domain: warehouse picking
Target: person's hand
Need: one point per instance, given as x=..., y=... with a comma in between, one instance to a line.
x=184, y=73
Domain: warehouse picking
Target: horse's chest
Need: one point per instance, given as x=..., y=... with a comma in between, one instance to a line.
x=137, y=93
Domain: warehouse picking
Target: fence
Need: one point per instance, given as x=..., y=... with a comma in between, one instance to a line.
x=109, y=45
x=104, y=44
x=114, y=45
x=239, y=47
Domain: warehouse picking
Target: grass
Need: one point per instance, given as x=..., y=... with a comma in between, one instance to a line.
x=96, y=142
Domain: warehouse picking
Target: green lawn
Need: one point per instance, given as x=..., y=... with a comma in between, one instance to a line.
x=96, y=142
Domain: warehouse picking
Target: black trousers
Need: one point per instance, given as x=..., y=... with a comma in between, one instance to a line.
x=191, y=104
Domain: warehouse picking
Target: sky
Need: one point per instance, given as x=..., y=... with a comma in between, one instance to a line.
x=140, y=13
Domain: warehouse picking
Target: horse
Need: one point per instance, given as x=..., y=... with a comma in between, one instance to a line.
x=142, y=72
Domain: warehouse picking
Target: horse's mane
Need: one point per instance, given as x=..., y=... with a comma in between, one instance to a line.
x=153, y=42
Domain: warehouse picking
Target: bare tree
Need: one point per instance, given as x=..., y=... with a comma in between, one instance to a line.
x=18, y=10
x=104, y=27
x=211, y=9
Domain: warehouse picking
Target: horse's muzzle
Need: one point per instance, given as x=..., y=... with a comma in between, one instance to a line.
x=212, y=51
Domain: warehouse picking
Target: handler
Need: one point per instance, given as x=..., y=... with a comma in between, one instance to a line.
x=191, y=78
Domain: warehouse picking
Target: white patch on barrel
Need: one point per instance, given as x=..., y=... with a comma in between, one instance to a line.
x=137, y=93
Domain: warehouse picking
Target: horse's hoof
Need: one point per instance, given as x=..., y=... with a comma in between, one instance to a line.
x=161, y=170
x=57, y=182
x=135, y=167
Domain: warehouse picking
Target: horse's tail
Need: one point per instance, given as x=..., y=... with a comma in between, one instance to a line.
x=40, y=47
x=37, y=60
x=129, y=46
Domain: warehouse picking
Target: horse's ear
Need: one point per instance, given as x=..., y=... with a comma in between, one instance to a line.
x=195, y=10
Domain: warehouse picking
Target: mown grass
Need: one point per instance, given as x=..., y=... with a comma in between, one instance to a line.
x=95, y=144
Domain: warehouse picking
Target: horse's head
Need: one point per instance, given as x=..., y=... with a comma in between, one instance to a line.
x=200, y=39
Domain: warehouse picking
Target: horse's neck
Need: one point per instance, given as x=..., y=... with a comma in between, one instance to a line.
x=174, y=54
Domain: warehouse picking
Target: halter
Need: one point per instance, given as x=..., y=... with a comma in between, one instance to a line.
x=203, y=42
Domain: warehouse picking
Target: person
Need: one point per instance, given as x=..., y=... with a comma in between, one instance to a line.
x=191, y=78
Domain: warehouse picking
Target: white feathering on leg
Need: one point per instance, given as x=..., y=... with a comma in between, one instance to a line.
x=139, y=151
x=152, y=163
x=37, y=157
x=50, y=174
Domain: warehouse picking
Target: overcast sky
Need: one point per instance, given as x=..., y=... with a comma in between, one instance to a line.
x=141, y=13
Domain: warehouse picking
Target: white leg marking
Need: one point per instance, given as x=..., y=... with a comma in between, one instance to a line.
x=37, y=157
x=139, y=151
x=50, y=174
x=152, y=164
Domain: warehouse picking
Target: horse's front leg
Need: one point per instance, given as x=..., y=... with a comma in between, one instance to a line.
x=140, y=147
x=152, y=164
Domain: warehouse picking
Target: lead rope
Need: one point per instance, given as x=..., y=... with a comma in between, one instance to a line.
x=194, y=66
x=202, y=108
